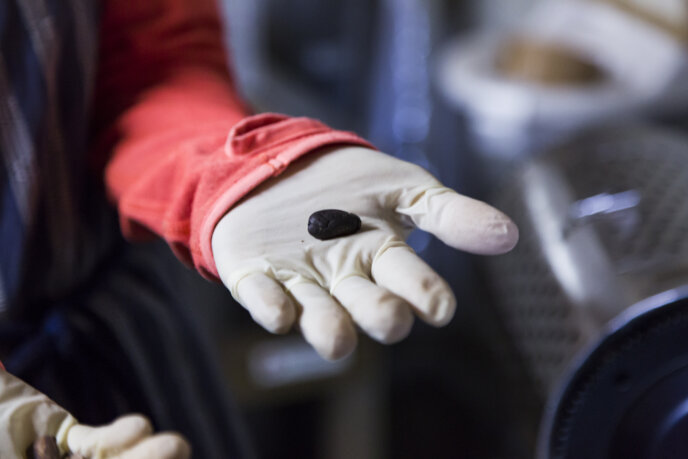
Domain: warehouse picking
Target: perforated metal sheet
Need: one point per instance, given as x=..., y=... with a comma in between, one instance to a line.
x=646, y=246
x=653, y=163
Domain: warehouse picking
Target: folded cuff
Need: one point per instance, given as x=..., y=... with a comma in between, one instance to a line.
x=277, y=141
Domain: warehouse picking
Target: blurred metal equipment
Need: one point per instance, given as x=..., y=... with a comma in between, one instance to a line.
x=565, y=66
x=400, y=104
x=595, y=295
x=304, y=57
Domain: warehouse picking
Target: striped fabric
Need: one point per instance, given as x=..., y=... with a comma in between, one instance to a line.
x=130, y=342
x=96, y=324
x=47, y=62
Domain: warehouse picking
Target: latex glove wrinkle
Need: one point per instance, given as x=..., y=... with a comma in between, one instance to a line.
x=282, y=275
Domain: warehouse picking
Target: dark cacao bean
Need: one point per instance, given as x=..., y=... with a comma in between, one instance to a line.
x=331, y=223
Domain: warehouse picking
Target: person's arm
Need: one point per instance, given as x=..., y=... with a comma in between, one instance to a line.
x=181, y=146
x=184, y=153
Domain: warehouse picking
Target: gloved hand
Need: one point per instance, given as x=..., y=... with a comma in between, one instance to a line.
x=281, y=274
x=26, y=414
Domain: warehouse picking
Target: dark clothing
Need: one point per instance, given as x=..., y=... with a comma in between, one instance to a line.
x=129, y=342
x=100, y=326
x=54, y=223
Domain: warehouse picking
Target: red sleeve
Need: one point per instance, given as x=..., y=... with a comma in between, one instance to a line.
x=181, y=147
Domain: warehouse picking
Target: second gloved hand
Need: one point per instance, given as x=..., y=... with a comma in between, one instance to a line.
x=282, y=275
x=26, y=415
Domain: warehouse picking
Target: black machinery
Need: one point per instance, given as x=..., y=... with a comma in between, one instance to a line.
x=595, y=295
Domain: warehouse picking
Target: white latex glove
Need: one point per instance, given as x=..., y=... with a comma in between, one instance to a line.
x=26, y=414
x=281, y=274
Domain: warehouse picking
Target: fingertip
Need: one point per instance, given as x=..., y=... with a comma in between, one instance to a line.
x=267, y=302
x=123, y=432
x=501, y=237
x=405, y=274
x=441, y=312
x=475, y=226
x=394, y=326
x=323, y=322
x=278, y=318
x=173, y=446
x=136, y=424
x=340, y=345
x=166, y=445
x=381, y=314
x=333, y=339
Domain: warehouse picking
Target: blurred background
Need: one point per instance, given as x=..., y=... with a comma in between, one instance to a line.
x=568, y=115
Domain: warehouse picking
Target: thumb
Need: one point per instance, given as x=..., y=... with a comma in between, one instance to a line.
x=109, y=439
x=459, y=221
